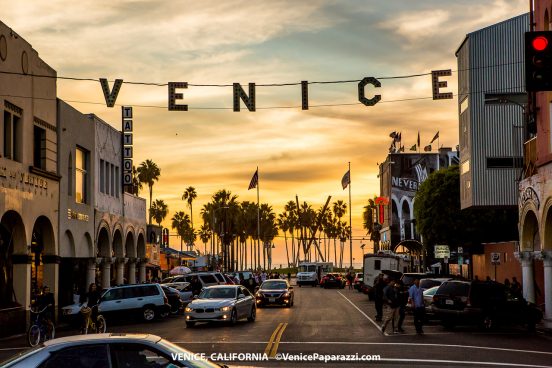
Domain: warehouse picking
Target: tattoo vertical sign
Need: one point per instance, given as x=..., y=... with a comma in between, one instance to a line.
x=127, y=146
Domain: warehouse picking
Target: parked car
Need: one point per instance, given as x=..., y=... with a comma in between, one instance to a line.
x=487, y=304
x=206, y=278
x=107, y=350
x=185, y=290
x=333, y=279
x=409, y=277
x=221, y=303
x=275, y=291
x=173, y=296
x=147, y=300
x=357, y=282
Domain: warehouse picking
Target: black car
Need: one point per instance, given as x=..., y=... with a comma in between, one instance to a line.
x=275, y=291
x=487, y=304
x=175, y=300
x=333, y=280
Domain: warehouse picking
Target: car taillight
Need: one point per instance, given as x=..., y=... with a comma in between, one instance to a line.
x=435, y=298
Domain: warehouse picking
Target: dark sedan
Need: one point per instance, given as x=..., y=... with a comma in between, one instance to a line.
x=275, y=292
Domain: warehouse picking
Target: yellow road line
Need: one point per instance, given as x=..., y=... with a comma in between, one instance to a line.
x=276, y=342
x=270, y=342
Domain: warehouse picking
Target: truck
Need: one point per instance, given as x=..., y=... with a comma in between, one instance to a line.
x=387, y=263
x=310, y=273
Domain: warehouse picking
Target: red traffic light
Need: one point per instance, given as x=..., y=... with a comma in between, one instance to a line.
x=540, y=43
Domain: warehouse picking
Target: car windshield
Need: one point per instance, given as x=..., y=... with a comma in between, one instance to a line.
x=431, y=291
x=274, y=285
x=454, y=289
x=218, y=293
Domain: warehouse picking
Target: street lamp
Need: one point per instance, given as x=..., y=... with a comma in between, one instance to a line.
x=362, y=247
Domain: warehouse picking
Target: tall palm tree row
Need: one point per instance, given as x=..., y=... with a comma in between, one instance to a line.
x=148, y=173
x=181, y=223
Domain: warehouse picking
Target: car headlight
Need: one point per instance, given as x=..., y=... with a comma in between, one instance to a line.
x=286, y=294
x=224, y=309
x=188, y=309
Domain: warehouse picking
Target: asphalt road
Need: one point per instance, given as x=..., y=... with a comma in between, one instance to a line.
x=340, y=323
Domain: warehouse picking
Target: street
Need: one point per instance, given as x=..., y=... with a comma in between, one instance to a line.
x=340, y=322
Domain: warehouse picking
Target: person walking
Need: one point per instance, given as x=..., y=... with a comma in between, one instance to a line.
x=391, y=297
x=416, y=296
x=196, y=286
x=379, y=285
x=350, y=280
x=403, y=301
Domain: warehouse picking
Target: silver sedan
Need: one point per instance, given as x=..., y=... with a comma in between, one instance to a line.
x=227, y=303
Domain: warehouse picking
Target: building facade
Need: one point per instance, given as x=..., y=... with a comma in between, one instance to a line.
x=491, y=105
x=535, y=192
x=29, y=180
x=400, y=175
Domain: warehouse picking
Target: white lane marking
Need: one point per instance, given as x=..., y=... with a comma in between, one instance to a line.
x=464, y=362
x=417, y=344
x=358, y=309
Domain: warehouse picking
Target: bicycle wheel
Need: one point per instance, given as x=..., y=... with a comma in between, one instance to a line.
x=33, y=335
x=101, y=326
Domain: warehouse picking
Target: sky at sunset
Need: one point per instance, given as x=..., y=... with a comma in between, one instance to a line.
x=302, y=153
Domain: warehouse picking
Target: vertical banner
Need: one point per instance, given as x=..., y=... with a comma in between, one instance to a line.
x=127, y=144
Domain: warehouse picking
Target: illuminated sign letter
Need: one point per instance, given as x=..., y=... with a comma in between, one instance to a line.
x=111, y=97
x=173, y=96
x=239, y=93
x=435, y=74
x=361, y=96
x=304, y=95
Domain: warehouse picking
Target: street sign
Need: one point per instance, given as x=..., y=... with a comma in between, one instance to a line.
x=495, y=258
x=460, y=250
x=441, y=251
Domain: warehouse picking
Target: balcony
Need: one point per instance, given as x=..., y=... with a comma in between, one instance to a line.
x=530, y=158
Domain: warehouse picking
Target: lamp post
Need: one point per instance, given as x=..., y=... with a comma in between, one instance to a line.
x=213, y=226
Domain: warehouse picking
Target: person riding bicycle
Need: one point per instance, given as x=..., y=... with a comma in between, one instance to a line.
x=91, y=299
x=47, y=302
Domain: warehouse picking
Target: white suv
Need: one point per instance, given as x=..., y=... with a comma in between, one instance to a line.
x=147, y=300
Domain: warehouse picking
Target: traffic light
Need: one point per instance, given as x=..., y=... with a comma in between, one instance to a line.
x=538, y=61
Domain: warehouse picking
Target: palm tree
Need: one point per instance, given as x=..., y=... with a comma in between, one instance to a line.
x=136, y=183
x=181, y=222
x=269, y=230
x=291, y=209
x=283, y=224
x=148, y=173
x=189, y=196
x=159, y=211
x=372, y=228
x=205, y=235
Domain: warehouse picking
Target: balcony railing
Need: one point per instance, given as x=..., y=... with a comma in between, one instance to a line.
x=530, y=158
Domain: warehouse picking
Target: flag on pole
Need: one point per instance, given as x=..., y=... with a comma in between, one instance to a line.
x=393, y=135
x=346, y=180
x=398, y=137
x=427, y=148
x=254, y=180
x=413, y=148
x=418, y=139
x=434, y=138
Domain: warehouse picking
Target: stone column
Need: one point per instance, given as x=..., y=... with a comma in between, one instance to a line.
x=51, y=274
x=106, y=272
x=142, y=270
x=22, y=279
x=526, y=259
x=120, y=274
x=132, y=271
x=546, y=257
x=90, y=272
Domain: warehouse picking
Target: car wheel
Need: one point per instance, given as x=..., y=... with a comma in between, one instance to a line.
x=190, y=324
x=148, y=313
x=233, y=317
x=252, y=315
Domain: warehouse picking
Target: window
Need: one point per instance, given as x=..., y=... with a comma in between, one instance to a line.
x=112, y=175
x=117, y=181
x=12, y=133
x=463, y=105
x=78, y=356
x=139, y=356
x=81, y=175
x=504, y=162
x=39, y=148
x=102, y=176
x=70, y=175
x=107, y=178
x=208, y=279
x=465, y=167
x=377, y=264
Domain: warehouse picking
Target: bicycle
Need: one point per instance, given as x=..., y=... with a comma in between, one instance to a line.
x=98, y=327
x=39, y=331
